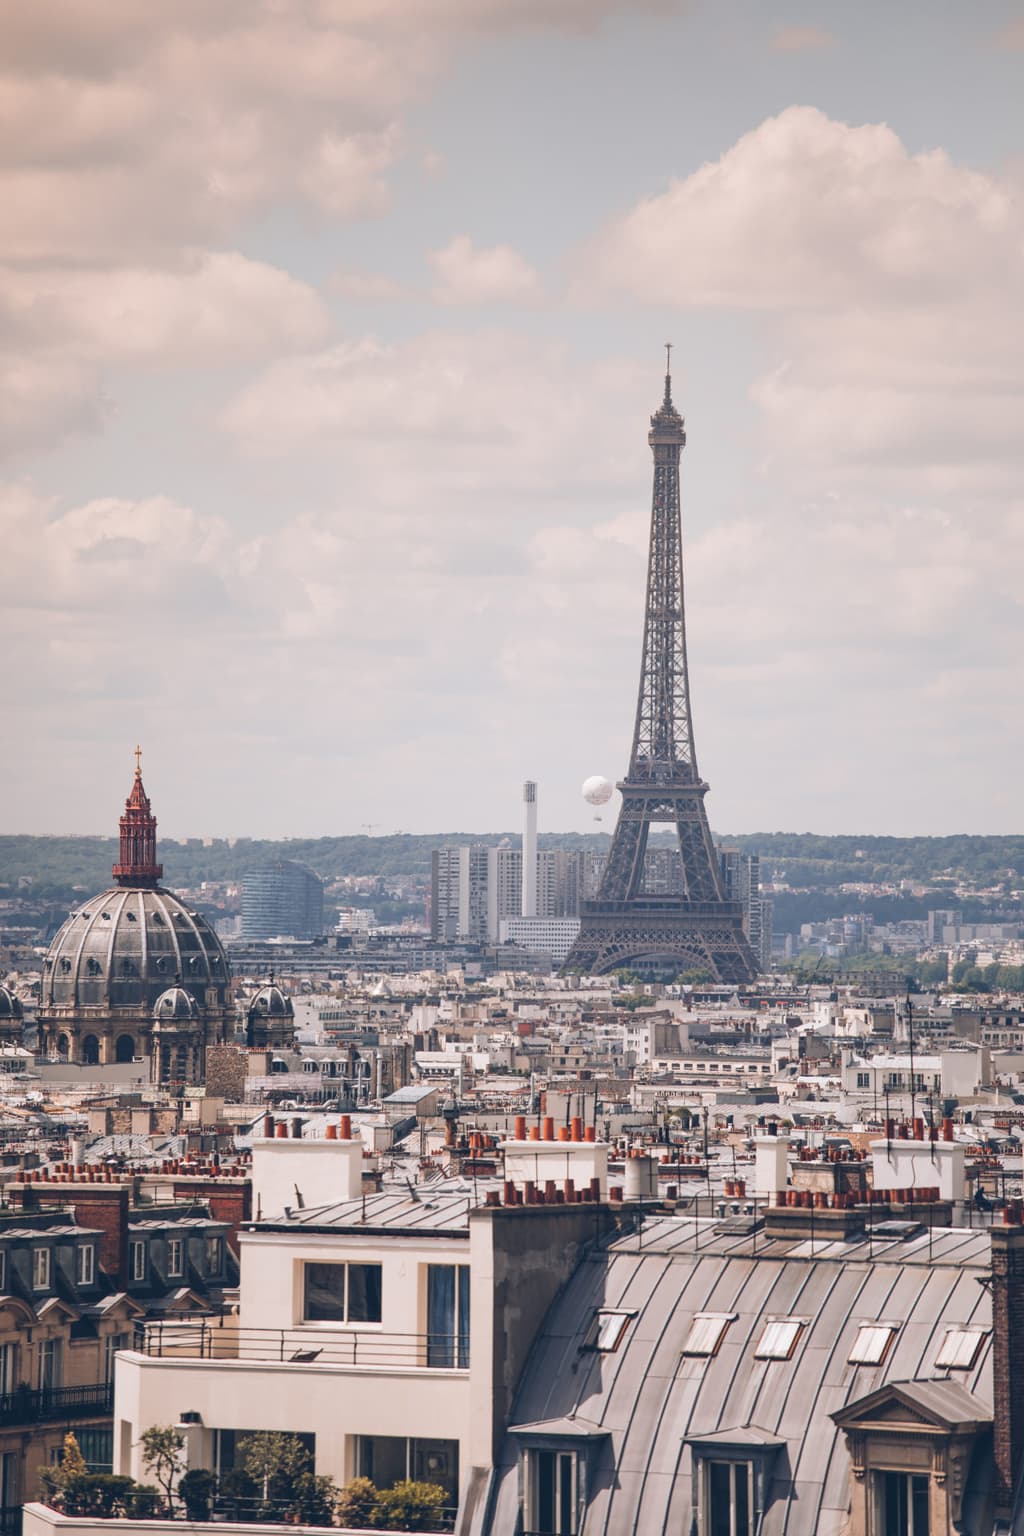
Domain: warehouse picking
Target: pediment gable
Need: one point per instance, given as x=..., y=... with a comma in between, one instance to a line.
x=941, y=1406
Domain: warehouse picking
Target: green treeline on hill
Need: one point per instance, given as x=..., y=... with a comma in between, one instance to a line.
x=804, y=860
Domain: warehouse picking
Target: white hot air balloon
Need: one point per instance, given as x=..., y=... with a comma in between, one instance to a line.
x=597, y=791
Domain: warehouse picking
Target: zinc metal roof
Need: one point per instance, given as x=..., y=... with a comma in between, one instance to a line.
x=433, y=1210
x=653, y=1400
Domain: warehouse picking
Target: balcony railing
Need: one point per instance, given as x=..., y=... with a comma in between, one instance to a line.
x=366, y=1348
x=25, y=1406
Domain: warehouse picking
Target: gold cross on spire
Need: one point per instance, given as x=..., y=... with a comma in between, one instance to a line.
x=138, y=762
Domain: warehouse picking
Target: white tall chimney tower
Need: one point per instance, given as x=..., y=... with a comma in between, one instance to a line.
x=529, y=903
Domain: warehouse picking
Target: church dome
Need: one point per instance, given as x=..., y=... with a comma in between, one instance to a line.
x=124, y=948
x=175, y=1006
x=10, y=1007
x=270, y=1002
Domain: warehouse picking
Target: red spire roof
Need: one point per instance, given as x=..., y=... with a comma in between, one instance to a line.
x=136, y=865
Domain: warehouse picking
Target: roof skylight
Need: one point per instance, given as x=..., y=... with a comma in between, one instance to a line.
x=779, y=1338
x=959, y=1349
x=871, y=1345
x=707, y=1332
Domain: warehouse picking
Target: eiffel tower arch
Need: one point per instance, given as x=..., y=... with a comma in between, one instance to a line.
x=680, y=920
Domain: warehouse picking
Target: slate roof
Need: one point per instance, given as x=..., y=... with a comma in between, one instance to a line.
x=653, y=1399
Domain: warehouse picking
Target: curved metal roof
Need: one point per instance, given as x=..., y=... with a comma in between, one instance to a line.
x=654, y=1400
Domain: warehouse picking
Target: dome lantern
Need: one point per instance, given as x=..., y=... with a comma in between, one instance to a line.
x=137, y=866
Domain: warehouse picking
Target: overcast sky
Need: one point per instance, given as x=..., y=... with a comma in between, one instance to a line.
x=330, y=331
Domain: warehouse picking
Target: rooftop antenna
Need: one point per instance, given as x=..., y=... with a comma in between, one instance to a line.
x=910, y=1033
x=668, y=373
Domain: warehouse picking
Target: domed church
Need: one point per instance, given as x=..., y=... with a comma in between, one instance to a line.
x=133, y=973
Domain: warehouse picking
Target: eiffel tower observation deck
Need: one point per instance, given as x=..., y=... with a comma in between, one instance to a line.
x=667, y=913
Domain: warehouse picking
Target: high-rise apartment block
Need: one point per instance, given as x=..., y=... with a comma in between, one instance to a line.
x=476, y=888
x=741, y=881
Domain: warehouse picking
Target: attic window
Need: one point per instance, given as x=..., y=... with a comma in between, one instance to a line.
x=707, y=1332
x=779, y=1338
x=959, y=1349
x=871, y=1345
x=606, y=1333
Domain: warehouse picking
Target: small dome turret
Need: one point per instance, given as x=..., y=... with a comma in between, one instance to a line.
x=175, y=1006
x=10, y=1007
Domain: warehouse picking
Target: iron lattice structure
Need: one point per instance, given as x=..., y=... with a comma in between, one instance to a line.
x=680, y=916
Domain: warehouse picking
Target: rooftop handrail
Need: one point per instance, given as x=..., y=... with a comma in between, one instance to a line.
x=317, y=1344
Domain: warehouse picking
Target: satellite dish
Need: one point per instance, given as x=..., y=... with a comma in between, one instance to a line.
x=597, y=791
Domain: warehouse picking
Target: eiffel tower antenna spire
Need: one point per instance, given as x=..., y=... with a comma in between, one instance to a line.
x=663, y=907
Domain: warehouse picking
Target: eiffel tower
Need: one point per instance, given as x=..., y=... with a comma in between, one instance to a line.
x=680, y=920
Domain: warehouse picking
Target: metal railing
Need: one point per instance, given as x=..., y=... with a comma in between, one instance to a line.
x=203, y=1339
x=26, y=1406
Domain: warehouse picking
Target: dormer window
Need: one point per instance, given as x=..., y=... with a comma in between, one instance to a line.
x=40, y=1269
x=85, y=1264
x=214, y=1255
x=175, y=1258
x=137, y=1260
x=3, y=1269
x=779, y=1339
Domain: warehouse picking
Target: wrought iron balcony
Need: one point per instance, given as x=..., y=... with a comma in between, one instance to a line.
x=26, y=1406
x=366, y=1348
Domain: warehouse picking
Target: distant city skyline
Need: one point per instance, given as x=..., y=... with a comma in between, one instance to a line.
x=331, y=338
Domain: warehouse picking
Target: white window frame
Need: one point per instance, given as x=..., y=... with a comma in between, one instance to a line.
x=40, y=1269
x=215, y=1247
x=137, y=1258
x=877, y=1507
x=85, y=1264
x=3, y=1269
x=567, y=1462
x=7, y=1361
x=346, y=1321
x=736, y=1466
x=175, y=1258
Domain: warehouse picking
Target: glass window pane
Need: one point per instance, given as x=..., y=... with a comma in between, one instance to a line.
x=384, y=1459
x=544, y=1514
x=741, y=1495
x=720, y=1496
x=325, y=1293
x=566, y=1502
x=463, y=1317
x=364, y=1293
x=441, y=1315
x=919, y=1505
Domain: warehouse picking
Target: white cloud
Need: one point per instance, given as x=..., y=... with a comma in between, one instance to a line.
x=216, y=305
x=805, y=212
x=472, y=274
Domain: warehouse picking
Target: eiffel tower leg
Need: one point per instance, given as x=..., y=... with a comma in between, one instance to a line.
x=698, y=857
x=624, y=873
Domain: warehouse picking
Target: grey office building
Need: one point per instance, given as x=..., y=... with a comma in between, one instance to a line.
x=282, y=898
